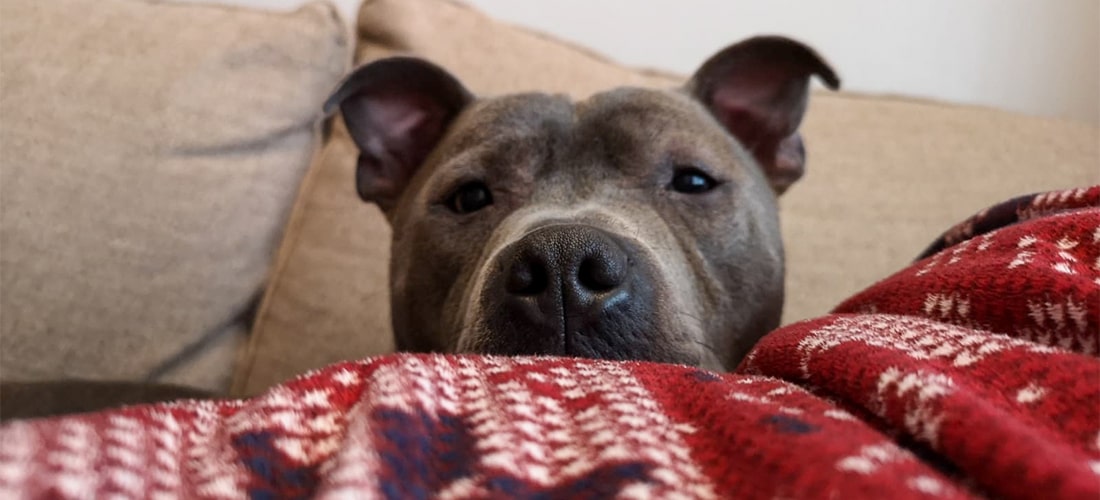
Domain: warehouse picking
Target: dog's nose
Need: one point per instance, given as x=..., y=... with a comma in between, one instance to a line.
x=578, y=290
x=572, y=263
x=566, y=269
x=567, y=289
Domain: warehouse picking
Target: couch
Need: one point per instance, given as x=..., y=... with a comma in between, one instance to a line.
x=175, y=208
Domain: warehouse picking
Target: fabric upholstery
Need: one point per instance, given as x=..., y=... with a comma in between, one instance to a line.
x=151, y=154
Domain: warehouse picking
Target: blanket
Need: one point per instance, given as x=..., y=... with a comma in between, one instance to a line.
x=972, y=373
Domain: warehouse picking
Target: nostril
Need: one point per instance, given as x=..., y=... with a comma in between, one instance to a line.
x=601, y=274
x=526, y=278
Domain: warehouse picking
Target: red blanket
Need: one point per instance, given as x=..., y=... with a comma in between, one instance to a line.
x=972, y=373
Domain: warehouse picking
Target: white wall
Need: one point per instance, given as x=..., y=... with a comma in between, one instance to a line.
x=1035, y=56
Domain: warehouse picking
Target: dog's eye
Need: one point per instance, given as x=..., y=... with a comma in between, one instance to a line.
x=470, y=197
x=692, y=181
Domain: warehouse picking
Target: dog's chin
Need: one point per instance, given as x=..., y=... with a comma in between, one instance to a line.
x=622, y=346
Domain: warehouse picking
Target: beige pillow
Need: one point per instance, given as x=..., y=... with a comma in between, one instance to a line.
x=885, y=175
x=151, y=153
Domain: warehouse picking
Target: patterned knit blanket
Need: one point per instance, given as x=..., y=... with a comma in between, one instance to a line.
x=972, y=373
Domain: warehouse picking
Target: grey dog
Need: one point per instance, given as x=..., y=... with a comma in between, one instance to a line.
x=635, y=224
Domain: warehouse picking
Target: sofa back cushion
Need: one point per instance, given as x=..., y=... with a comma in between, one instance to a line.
x=151, y=154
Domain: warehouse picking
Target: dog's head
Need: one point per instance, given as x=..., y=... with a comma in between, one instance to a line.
x=635, y=224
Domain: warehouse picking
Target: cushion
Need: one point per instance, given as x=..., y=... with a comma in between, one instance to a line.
x=885, y=174
x=348, y=9
x=152, y=153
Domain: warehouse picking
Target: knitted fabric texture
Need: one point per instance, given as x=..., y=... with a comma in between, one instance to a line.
x=972, y=373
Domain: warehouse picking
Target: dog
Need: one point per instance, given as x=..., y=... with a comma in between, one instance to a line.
x=635, y=224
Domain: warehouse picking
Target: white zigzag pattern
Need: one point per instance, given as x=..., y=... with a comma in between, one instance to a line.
x=959, y=253
x=1023, y=257
x=625, y=414
x=166, y=436
x=1061, y=324
x=350, y=471
x=73, y=460
x=18, y=443
x=918, y=392
x=928, y=266
x=986, y=241
x=946, y=305
x=1066, y=260
x=871, y=458
x=927, y=485
x=212, y=461
x=125, y=456
x=309, y=424
x=916, y=337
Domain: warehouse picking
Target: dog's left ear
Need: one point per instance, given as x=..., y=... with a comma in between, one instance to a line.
x=397, y=110
x=758, y=89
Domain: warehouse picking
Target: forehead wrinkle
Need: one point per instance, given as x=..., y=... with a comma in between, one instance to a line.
x=500, y=135
x=630, y=128
x=512, y=117
x=617, y=109
x=664, y=122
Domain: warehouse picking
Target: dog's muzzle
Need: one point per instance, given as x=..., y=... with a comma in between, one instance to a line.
x=571, y=289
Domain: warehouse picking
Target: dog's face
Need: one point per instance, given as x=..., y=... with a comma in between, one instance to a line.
x=635, y=224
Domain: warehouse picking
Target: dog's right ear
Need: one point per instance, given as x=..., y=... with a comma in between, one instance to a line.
x=397, y=110
x=758, y=90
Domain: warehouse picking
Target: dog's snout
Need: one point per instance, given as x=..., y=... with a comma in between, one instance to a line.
x=527, y=277
x=570, y=263
x=602, y=272
x=567, y=289
x=577, y=289
x=570, y=266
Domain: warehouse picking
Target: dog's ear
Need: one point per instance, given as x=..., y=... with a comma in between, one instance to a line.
x=757, y=89
x=397, y=110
